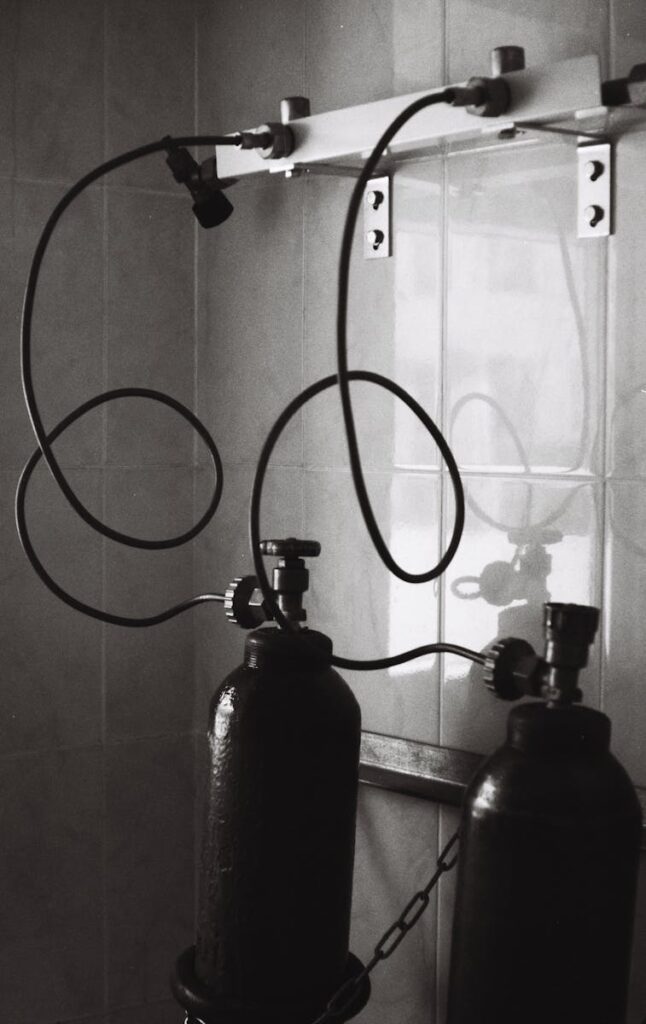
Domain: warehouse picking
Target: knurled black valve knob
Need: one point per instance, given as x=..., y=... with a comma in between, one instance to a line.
x=238, y=605
x=572, y=619
x=291, y=547
x=569, y=632
x=509, y=668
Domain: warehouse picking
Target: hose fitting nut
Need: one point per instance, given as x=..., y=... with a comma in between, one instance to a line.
x=494, y=97
x=271, y=141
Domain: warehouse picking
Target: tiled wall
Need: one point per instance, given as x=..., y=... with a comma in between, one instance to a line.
x=523, y=341
x=96, y=730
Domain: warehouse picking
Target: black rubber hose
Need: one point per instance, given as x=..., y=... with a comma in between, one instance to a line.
x=27, y=316
x=367, y=171
x=255, y=508
x=343, y=379
x=23, y=533
x=45, y=440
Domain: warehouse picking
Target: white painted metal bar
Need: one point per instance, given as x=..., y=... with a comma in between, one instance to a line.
x=439, y=774
x=565, y=91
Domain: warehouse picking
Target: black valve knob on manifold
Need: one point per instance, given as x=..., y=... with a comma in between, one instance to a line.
x=290, y=578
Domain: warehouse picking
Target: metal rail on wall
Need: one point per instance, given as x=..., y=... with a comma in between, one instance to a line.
x=429, y=772
x=567, y=100
x=551, y=95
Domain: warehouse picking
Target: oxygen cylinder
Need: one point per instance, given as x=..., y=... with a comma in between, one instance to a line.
x=278, y=848
x=549, y=851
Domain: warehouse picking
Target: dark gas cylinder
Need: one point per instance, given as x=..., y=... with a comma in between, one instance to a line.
x=278, y=847
x=549, y=850
x=278, y=853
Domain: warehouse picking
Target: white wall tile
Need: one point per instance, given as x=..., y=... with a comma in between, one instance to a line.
x=628, y=35
x=526, y=315
x=250, y=337
x=395, y=857
x=626, y=352
x=368, y=613
x=357, y=52
x=394, y=321
x=550, y=30
x=625, y=586
x=524, y=543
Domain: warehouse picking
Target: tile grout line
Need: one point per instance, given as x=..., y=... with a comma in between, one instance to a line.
x=444, y=277
x=304, y=197
x=111, y=186
x=104, y=460
x=612, y=39
x=91, y=1019
x=572, y=479
x=605, y=475
x=444, y=273
x=302, y=471
x=120, y=741
x=196, y=365
x=15, y=49
x=607, y=335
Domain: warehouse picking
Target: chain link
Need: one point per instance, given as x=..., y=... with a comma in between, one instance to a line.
x=388, y=942
x=391, y=938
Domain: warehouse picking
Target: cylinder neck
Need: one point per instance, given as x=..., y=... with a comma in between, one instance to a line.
x=271, y=648
x=561, y=730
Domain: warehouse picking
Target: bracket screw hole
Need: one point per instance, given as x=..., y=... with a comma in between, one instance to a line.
x=374, y=198
x=593, y=215
x=375, y=238
x=594, y=169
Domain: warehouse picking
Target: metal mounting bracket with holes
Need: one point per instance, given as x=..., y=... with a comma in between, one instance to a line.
x=567, y=100
x=376, y=219
x=594, y=205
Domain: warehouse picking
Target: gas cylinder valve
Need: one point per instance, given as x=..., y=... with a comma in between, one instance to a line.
x=281, y=781
x=243, y=603
x=549, y=850
x=514, y=670
x=290, y=578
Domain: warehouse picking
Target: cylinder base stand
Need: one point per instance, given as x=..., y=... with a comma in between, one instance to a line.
x=203, y=1005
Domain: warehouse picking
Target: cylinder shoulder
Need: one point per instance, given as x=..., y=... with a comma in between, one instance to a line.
x=511, y=781
x=320, y=693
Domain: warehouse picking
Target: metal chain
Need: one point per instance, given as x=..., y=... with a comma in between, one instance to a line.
x=388, y=942
x=391, y=938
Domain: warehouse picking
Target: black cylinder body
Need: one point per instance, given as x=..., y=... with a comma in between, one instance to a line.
x=278, y=848
x=549, y=851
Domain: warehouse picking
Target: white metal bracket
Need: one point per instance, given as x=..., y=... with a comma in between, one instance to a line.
x=594, y=204
x=376, y=219
x=557, y=93
x=567, y=100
